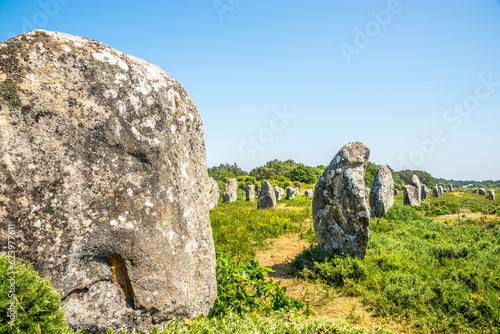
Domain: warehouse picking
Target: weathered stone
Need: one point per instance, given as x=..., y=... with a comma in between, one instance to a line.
x=411, y=196
x=341, y=212
x=214, y=193
x=425, y=191
x=308, y=193
x=492, y=194
x=279, y=193
x=474, y=191
x=103, y=174
x=396, y=192
x=291, y=192
x=250, y=192
x=481, y=191
x=441, y=190
x=450, y=187
x=230, y=191
x=382, y=192
x=435, y=192
x=267, y=199
x=416, y=183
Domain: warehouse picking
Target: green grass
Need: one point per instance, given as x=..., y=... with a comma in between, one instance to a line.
x=280, y=323
x=239, y=228
x=437, y=277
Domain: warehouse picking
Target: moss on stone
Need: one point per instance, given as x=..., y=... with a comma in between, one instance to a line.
x=8, y=92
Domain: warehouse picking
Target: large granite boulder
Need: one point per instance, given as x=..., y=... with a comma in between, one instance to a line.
x=411, y=196
x=250, y=192
x=450, y=188
x=341, y=212
x=308, y=193
x=416, y=183
x=103, y=174
x=382, y=192
x=474, y=191
x=435, y=192
x=267, y=199
x=441, y=190
x=213, y=197
x=481, y=191
x=291, y=192
x=230, y=191
x=492, y=194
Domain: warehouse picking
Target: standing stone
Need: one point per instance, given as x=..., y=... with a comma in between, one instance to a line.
x=492, y=194
x=411, y=196
x=103, y=174
x=341, y=212
x=441, y=190
x=279, y=193
x=382, y=192
x=230, y=191
x=416, y=183
x=450, y=187
x=396, y=192
x=267, y=199
x=308, y=193
x=435, y=192
x=290, y=192
x=474, y=191
x=425, y=191
x=250, y=192
x=213, y=197
x=481, y=191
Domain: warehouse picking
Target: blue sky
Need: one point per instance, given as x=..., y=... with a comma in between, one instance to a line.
x=418, y=81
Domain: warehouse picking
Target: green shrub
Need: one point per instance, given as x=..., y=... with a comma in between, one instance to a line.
x=243, y=288
x=37, y=305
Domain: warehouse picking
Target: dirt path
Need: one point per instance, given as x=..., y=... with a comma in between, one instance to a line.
x=324, y=300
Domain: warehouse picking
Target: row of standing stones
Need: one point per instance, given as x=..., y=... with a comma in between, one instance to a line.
x=103, y=175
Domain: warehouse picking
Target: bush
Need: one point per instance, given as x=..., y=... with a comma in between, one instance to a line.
x=244, y=288
x=37, y=305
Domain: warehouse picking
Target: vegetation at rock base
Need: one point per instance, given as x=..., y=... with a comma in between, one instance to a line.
x=37, y=305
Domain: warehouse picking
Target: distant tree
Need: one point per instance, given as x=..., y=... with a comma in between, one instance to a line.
x=371, y=172
x=424, y=177
x=303, y=174
x=244, y=181
x=226, y=171
x=273, y=168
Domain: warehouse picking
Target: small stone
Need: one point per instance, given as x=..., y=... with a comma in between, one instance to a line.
x=412, y=196
x=267, y=199
x=291, y=192
x=382, y=192
x=416, y=183
x=230, y=191
x=250, y=192
x=491, y=194
x=481, y=192
x=308, y=193
x=279, y=193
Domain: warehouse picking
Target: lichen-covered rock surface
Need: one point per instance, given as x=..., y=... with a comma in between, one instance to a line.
x=267, y=198
x=415, y=181
x=213, y=193
x=278, y=192
x=341, y=212
x=290, y=192
x=411, y=196
x=103, y=174
x=230, y=191
x=250, y=192
x=308, y=193
x=382, y=192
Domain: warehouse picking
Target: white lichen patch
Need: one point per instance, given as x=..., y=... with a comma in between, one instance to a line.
x=78, y=44
x=66, y=48
x=134, y=101
x=3, y=45
x=107, y=57
x=122, y=107
x=148, y=203
x=113, y=222
x=121, y=219
x=110, y=94
x=5, y=56
x=150, y=101
x=130, y=192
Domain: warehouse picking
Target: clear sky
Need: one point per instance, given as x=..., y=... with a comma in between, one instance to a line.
x=418, y=81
